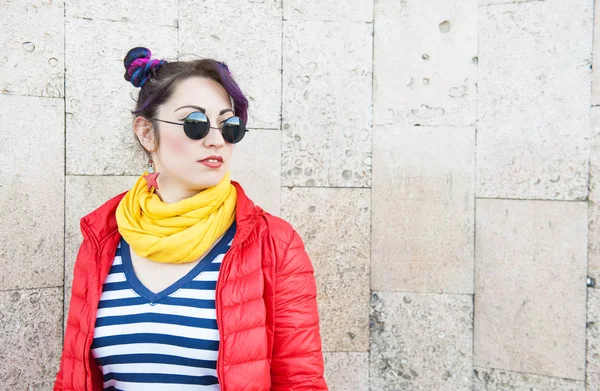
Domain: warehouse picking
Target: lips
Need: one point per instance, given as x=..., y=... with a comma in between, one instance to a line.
x=214, y=159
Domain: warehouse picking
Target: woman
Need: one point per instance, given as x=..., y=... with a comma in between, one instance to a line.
x=182, y=283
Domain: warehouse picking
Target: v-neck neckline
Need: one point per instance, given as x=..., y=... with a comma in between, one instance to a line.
x=154, y=298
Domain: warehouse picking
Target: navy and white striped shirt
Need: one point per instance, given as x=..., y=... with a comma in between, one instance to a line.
x=163, y=341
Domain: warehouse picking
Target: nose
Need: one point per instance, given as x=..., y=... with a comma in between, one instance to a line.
x=214, y=138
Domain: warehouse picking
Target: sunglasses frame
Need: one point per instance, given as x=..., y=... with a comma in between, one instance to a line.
x=190, y=132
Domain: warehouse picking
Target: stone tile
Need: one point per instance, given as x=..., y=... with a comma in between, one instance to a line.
x=259, y=173
x=33, y=50
x=31, y=338
x=149, y=12
x=423, y=209
x=421, y=341
x=534, y=100
x=592, y=377
x=332, y=11
x=347, y=371
x=32, y=188
x=84, y=194
x=335, y=227
x=327, y=104
x=247, y=36
x=425, y=68
x=530, y=286
x=488, y=379
x=594, y=198
x=100, y=139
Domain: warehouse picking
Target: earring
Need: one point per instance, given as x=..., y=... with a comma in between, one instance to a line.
x=151, y=176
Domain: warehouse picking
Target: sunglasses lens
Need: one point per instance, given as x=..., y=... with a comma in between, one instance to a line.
x=234, y=130
x=196, y=125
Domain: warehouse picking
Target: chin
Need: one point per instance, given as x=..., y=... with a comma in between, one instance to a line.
x=206, y=180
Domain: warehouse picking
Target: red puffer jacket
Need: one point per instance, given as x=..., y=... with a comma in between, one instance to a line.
x=265, y=301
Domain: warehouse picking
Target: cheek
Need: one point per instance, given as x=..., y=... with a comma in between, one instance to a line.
x=228, y=152
x=175, y=150
x=174, y=145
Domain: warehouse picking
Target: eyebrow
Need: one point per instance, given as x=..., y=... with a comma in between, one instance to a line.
x=202, y=109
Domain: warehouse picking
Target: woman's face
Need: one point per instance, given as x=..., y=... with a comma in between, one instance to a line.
x=178, y=158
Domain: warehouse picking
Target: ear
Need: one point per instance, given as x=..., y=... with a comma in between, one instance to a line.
x=144, y=130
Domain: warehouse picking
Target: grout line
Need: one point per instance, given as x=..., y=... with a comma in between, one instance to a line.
x=528, y=199
x=128, y=21
x=513, y=2
x=281, y=179
x=32, y=96
x=423, y=293
x=371, y=198
x=346, y=351
x=35, y=289
x=593, y=70
x=178, y=30
x=475, y=367
x=401, y=126
x=475, y=198
x=64, y=250
x=326, y=21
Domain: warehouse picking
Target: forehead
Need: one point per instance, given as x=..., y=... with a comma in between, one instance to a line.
x=199, y=91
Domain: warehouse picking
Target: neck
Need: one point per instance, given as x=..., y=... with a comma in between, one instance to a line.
x=170, y=192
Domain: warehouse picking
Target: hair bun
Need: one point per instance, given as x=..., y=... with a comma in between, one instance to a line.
x=139, y=67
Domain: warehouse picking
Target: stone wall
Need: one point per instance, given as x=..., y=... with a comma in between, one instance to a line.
x=440, y=159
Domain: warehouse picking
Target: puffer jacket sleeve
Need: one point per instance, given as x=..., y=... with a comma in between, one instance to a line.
x=297, y=362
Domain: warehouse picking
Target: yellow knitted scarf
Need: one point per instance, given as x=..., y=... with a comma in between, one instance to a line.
x=180, y=232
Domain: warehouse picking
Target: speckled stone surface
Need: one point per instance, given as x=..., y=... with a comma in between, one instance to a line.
x=31, y=338
x=489, y=379
x=33, y=48
x=31, y=192
x=100, y=139
x=84, y=194
x=334, y=225
x=534, y=100
x=247, y=36
x=423, y=209
x=421, y=341
x=346, y=371
x=530, y=286
x=592, y=377
x=425, y=68
x=256, y=167
x=334, y=11
x=380, y=203
x=152, y=12
x=326, y=104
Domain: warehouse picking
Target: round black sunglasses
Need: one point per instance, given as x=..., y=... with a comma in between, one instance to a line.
x=197, y=125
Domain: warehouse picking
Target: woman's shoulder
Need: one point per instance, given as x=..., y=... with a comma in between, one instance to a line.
x=277, y=227
x=101, y=221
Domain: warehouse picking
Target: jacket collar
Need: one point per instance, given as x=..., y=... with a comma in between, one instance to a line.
x=102, y=222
